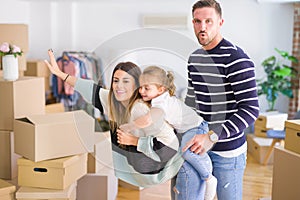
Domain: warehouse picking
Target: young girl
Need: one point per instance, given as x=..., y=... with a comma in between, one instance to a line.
x=158, y=87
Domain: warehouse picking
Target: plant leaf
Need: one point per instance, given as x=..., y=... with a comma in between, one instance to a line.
x=286, y=71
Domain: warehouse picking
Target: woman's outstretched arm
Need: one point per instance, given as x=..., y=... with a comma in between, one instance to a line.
x=53, y=67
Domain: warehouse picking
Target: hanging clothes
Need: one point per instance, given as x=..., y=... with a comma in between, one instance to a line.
x=84, y=65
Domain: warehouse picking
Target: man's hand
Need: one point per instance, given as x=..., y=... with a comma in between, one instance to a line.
x=199, y=144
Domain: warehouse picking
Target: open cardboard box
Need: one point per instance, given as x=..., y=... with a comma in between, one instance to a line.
x=54, y=135
x=25, y=96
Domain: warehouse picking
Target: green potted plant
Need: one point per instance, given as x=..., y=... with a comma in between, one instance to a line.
x=278, y=79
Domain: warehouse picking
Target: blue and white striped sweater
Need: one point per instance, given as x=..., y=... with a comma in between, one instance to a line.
x=222, y=89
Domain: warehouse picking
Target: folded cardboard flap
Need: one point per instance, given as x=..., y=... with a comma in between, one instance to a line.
x=25, y=119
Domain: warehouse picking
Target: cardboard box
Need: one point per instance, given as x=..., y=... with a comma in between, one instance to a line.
x=258, y=148
x=57, y=173
x=39, y=68
x=97, y=160
x=30, y=193
x=54, y=135
x=25, y=96
x=260, y=131
x=292, y=135
x=7, y=190
x=8, y=163
x=286, y=176
x=55, y=108
x=271, y=120
x=97, y=186
x=16, y=34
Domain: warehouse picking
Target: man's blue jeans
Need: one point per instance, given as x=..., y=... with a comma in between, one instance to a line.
x=229, y=172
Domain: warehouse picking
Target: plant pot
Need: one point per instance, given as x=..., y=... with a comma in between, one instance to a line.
x=10, y=67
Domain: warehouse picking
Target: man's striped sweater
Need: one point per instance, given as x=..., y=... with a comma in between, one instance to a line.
x=222, y=89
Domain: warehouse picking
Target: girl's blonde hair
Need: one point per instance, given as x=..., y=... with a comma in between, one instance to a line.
x=159, y=76
x=119, y=114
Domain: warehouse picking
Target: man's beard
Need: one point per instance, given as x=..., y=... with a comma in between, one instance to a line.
x=207, y=41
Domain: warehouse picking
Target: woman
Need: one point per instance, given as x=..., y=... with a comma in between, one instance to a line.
x=149, y=161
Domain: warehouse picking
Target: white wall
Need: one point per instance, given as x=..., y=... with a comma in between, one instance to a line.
x=255, y=26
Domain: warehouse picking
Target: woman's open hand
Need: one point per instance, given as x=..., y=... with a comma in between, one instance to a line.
x=53, y=67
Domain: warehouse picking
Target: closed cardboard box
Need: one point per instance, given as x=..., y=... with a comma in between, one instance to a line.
x=16, y=34
x=7, y=190
x=25, y=96
x=292, y=136
x=286, y=176
x=97, y=186
x=97, y=160
x=30, y=193
x=260, y=131
x=258, y=148
x=57, y=173
x=8, y=163
x=54, y=135
x=38, y=68
x=271, y=120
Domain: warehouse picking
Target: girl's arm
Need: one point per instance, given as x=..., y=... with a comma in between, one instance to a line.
x=144, y=121
x=157, y=142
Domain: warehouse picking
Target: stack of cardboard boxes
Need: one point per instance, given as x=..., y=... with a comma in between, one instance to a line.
x=44, y=154
x=15, y=101
x=259, y=145
x=18, y=98
x=286, y=176
x=269, y=120
x=52, y=148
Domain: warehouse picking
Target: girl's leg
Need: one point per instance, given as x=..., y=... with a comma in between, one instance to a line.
x=201, y=163
x=188, y=184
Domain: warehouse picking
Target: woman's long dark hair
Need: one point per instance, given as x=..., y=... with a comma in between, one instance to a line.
x=119, y=114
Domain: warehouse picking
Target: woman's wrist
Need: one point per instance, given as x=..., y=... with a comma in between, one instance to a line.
x=135, y=141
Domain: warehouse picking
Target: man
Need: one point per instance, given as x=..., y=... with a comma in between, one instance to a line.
x=222, y=89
